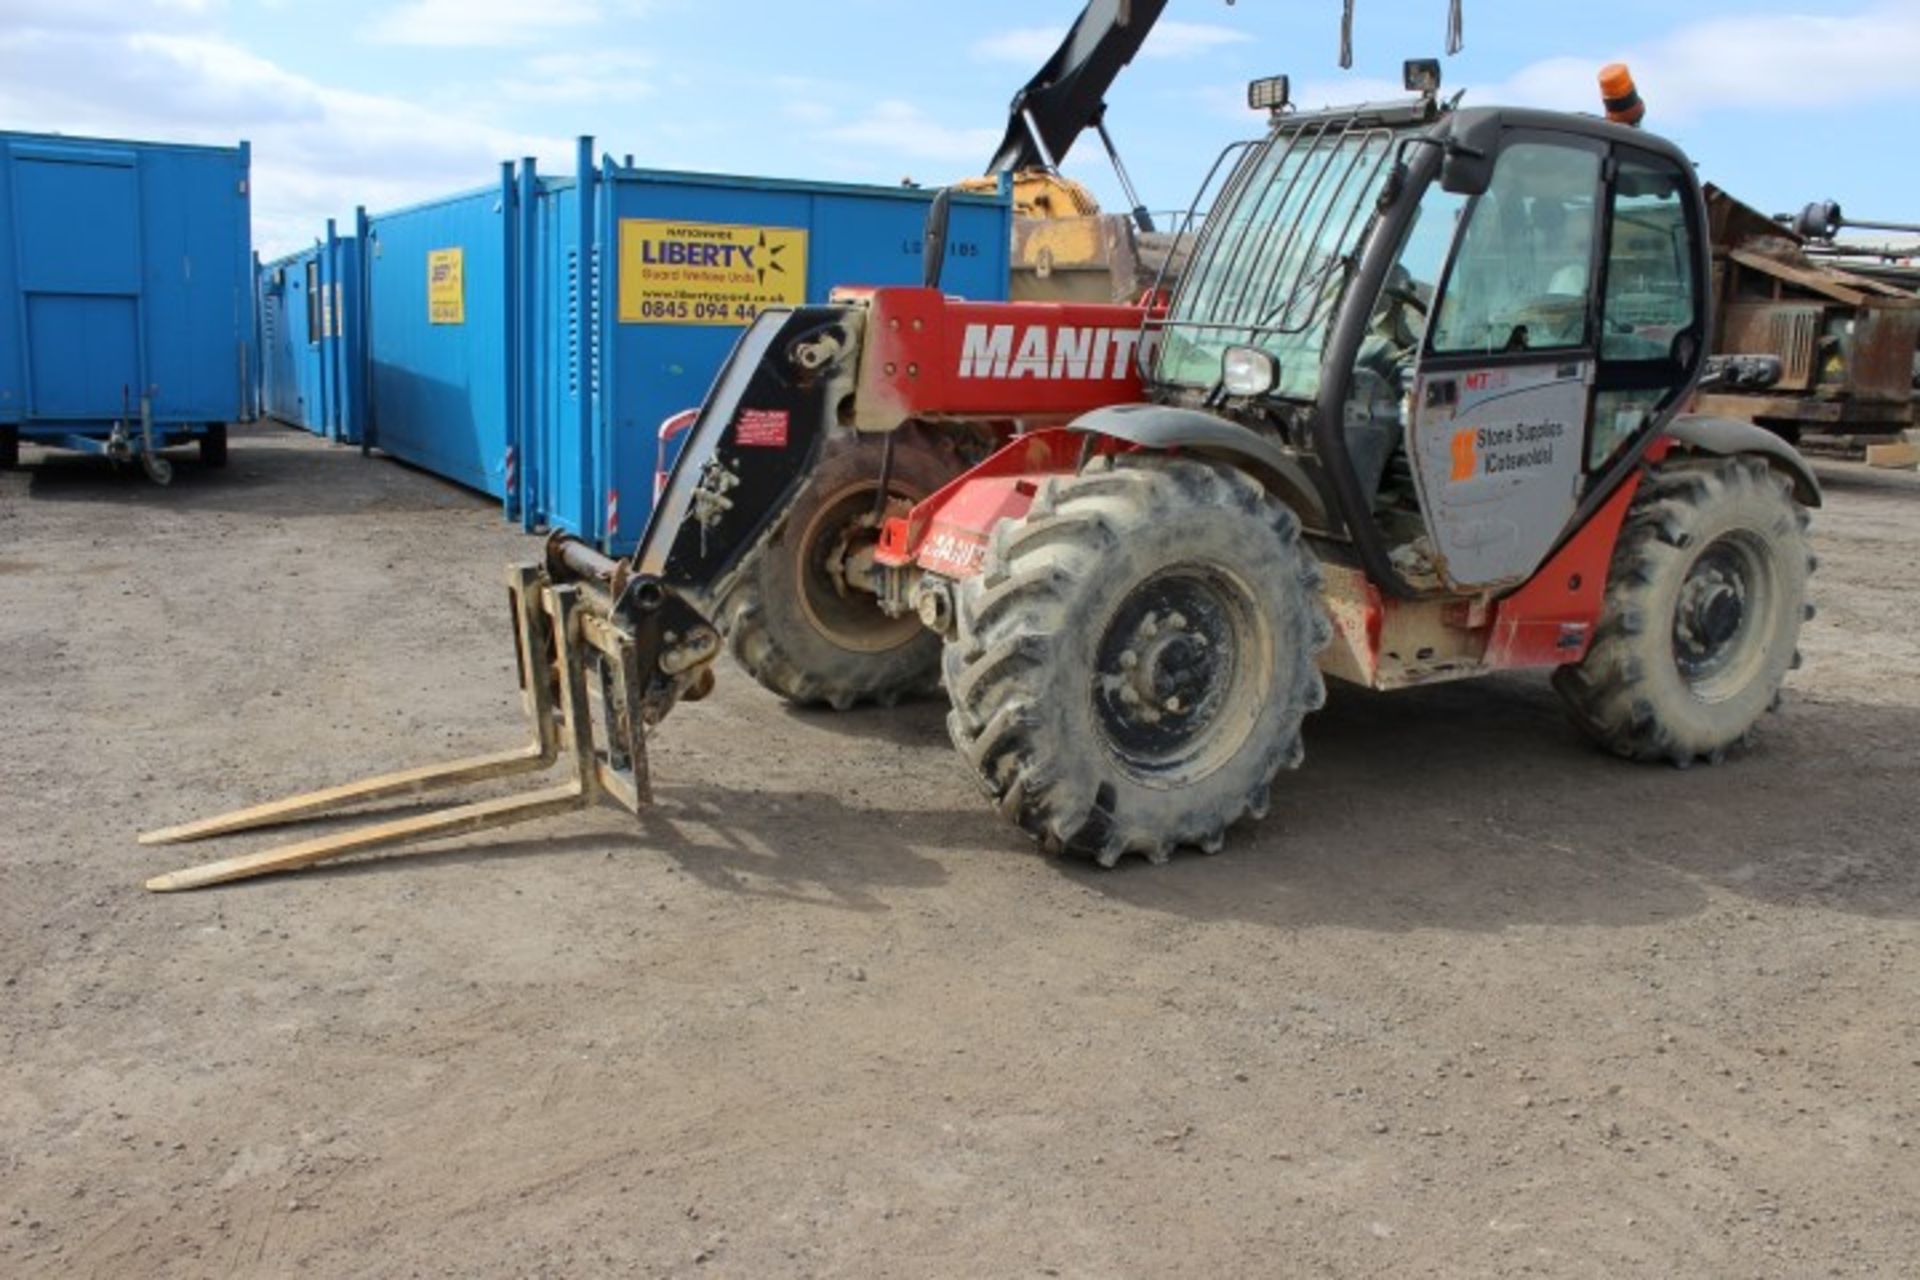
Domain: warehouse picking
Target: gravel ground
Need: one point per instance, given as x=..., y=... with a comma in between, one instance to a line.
x=1476, y=1000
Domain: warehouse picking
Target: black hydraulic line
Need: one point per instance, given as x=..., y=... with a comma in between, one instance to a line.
x=1067, y=96
x=1141, y=218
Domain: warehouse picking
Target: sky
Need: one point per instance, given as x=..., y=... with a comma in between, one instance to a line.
x=352, y=102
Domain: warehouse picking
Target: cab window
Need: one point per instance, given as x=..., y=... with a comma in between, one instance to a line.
x=1649, y=269
x=1649, y=302
x=1376, y=409
x=1523, y=278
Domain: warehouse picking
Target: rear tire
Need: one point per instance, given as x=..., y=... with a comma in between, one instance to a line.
x=1704, y=604
x=796, y=625
x=1130, y=669
x=213, y=446
x=9, y=448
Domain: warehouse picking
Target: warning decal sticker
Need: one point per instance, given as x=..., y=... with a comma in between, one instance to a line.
x=446, y=291
x=675, y=272
x=761, y=429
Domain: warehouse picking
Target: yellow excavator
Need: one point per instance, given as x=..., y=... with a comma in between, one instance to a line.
x=1064, y=248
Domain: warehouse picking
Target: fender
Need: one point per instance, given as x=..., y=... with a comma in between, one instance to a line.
x=1725, y=437
x=1164, y=427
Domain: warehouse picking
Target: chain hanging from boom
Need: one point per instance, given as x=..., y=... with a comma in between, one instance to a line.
x=1456, y=30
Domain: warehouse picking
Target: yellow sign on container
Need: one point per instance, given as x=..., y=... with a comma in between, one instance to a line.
x=707, y=272
x=446, y=292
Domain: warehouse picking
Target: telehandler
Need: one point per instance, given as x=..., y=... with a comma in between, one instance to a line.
x=1416, y=410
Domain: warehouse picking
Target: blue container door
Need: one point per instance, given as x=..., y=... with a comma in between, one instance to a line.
x=197, y=327
x=77, y=223
x=291, y=363
x=438, y=343
x=278, y=394
x=341, y=322
x=306, y=352
x=568, y=482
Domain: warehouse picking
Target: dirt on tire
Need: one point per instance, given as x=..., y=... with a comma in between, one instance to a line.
x=1029, y=679
x=772, y=611
x=1631, y=694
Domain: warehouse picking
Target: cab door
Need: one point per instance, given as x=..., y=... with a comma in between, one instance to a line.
x=1504, y=386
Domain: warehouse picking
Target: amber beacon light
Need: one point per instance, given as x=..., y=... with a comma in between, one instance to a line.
x=1621, y=97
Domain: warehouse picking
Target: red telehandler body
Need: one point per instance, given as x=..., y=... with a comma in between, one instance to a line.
x=1415, y=410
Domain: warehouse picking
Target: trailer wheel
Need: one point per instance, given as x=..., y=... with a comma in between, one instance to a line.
x=1130, y=670
x=9, y=448
x=802, y=618
x=1704, y=604
x=213, y=446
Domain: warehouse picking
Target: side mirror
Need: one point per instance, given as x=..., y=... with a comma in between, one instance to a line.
x=1248, y=371
x=1467, y=169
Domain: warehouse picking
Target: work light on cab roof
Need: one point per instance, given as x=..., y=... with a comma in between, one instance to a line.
x=1271, y=93
x=1275, y=93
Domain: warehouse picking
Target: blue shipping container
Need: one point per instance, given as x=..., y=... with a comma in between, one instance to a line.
x=679, y=264
x=125, y=271
x=312, y=362
x=438, y=346
x=487, y=323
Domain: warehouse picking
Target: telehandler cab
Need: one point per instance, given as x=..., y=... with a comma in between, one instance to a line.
x=1414, y=411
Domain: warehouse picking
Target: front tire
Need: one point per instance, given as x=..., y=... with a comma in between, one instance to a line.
x=1130, y=670
x=795, y=619
x=9, y=448
x=1705, y=599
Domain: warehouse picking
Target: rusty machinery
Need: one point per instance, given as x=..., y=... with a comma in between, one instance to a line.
x=1844, y=331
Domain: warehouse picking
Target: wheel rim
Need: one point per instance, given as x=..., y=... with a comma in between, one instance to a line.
x=1719, y=617
x=1182, y=669
x=841, y=534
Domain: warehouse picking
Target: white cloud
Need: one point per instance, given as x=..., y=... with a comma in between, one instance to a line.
x=597, y=77
x=1189, y=39
x=1782, y=61
x=318, y=149
x=806, y=111
x=1029, y=46
x=22, y=14
x=480, y=23
x=904, y=129
x=1789, y=61
x=1032, y=46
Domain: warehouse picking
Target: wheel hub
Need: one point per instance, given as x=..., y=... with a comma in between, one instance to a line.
x=1712, y=612
x=836, y=570
x=1166, y=665
x=1167, y=668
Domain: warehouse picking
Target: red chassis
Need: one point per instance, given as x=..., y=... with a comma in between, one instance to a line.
x=1027, y=368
